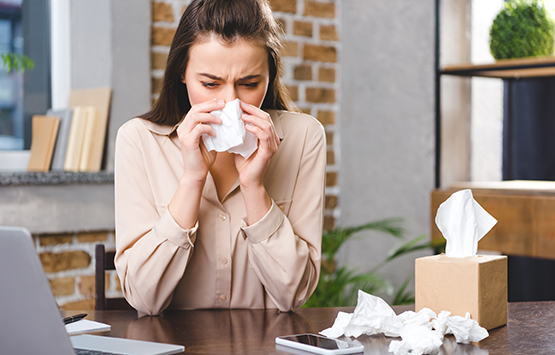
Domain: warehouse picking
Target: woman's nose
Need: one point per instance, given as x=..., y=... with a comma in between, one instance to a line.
x=229, y=93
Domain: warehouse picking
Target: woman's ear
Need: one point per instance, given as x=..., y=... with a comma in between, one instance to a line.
x=183, y=78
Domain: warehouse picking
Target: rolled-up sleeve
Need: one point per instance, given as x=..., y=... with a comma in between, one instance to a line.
x=152, y=250
x=285, y=249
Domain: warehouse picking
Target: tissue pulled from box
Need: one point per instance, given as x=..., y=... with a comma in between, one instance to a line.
x=231, y=134
x=463, y=222
x=421, y=332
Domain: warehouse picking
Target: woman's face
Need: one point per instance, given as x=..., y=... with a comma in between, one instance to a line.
x=219, y=71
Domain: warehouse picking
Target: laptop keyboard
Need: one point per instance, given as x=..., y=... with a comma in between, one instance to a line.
x=92, y=352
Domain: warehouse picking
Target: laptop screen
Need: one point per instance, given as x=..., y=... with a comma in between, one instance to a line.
x=30, y=319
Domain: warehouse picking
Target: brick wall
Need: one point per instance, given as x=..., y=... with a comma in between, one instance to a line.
x=311, y=60
x=68, y=261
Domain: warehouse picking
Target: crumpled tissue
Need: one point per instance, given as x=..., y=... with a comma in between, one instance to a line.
x=463, y=222
x=464, y=329
x=417, y=340
x=421, y=332
x=231, y=134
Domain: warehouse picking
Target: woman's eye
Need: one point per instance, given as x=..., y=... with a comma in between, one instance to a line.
x=250, y=85
x=209, y=85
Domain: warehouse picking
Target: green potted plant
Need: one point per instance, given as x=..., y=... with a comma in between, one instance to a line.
x=338, y=286
x=523, y=28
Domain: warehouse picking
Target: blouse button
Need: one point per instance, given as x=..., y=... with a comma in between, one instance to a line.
x=222, y=297
x=223, y=260
x=222, y=217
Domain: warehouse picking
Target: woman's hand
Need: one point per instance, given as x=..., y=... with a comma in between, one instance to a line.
x=184, y=205
x=197, y=160
x=251, y=171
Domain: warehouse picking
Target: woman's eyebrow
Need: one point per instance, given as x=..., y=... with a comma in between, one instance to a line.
x=249, y=77
x=210, y=76
x=245, y=78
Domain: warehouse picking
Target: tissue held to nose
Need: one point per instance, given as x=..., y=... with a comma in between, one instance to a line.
x=463, y=222
x=231, y=134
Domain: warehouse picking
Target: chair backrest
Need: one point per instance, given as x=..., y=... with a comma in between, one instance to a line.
x=104, y=260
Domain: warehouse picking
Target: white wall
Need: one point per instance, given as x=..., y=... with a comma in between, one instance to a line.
x=486, y=117
x=387, y=123
x=455, y=92
x=471, y=108
x=109, y=46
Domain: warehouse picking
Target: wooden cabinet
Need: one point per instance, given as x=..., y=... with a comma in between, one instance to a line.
x=525, y=211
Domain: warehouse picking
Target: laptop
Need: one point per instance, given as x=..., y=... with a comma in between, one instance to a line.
x=30, y=322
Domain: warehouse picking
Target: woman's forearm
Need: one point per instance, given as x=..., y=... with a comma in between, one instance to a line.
x=184, y=206
x=257, y=202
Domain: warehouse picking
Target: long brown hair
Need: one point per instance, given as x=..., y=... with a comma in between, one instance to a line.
x=228, y=20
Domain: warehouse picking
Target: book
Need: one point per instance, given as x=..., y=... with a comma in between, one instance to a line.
x=86, y=326
x=88, y=140
x=44, y=132
x=100, y=99
x=65, y=116
x=75, y=139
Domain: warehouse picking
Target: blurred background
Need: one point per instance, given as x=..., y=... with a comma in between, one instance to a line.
x=367, y=70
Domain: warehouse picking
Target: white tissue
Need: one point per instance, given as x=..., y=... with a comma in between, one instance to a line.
x=423, y=317
x=373, y=315
x=465, y=330
x=440, y=323
x=463, y=222
x=231, y=134
x=417, y=340
x=338, y=327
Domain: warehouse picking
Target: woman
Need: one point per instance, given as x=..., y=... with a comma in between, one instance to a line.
x=199, y=229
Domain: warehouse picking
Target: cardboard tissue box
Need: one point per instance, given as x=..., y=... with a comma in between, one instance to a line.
x=460, y=281
x=477, y=285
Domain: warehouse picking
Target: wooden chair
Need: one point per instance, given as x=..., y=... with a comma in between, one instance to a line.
x=104, y=260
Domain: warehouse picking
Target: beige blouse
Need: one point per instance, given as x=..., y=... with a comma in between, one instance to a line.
x=221, y=262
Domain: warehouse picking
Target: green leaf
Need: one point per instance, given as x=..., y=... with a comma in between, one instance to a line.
x=332, y=240
x=522, y=29
x=17, y=62
x=402, y=297
x=410, y=246
x=338, y=286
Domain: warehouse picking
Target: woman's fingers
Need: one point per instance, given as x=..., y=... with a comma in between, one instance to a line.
x=208, y=106
x=256, y=113
x=200, y=114
x=260, y=124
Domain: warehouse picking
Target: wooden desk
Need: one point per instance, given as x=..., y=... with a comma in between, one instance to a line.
x=530, y=330
x=525, y=211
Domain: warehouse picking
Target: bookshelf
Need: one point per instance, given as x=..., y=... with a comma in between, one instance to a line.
x=511, y=71
x=525, y=209
x=452, y=27
x=505, y=69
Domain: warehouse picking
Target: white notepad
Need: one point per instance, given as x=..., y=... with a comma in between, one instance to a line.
x=86, y=326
